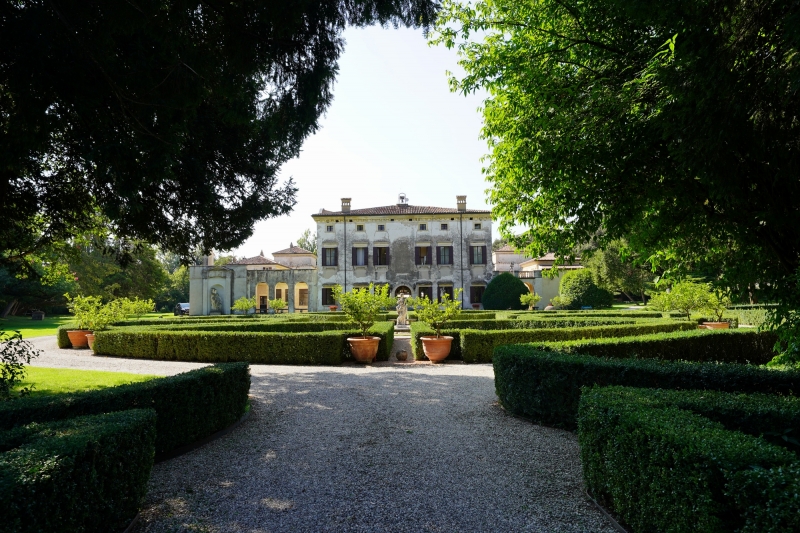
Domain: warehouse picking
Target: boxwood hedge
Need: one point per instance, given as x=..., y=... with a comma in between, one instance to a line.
x=661, y=468
x=190, y=406
x=86, y=474
x=546, y=386
x=307, y=348
x=725, y=346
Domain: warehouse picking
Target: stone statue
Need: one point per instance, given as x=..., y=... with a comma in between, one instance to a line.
x=216, y=301
x=402, y=311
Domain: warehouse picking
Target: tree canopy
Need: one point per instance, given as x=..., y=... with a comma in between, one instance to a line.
x=673, y=124
x=168, y=120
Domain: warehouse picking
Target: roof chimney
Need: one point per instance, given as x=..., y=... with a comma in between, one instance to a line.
x=461, y=203
x=402, y=200
x=346, y=205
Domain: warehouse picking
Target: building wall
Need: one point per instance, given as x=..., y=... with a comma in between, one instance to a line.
x=402, y=235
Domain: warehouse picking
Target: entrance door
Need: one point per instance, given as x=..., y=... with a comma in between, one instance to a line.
x=262, y=304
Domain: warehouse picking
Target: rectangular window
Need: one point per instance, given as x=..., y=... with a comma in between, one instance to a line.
x=443, y=227
x=477, y=255
x=423, y=227
x=422, y=255
x=381, y=227
x=445, y=290
x=330, y=257
x=359, y=227
x=425, y=291
x=476, y=294
x=360, y=256
x=478, y=225
x=327, y=296
x=303, y=294
x=444, y=255
x=329, y=229
x=279, y=295
x=380, y=256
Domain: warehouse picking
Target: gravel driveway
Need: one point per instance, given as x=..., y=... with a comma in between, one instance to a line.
x=412, y=447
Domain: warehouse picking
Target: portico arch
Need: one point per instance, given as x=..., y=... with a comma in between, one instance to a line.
x=262, y=295
x=402, y=290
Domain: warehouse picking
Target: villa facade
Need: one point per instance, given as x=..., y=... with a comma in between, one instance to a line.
x=417, y=250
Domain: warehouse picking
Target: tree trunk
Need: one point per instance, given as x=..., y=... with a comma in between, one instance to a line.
x=628, y=296
x=9, y=308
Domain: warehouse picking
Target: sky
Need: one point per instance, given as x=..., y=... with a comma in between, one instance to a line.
x=393, y=126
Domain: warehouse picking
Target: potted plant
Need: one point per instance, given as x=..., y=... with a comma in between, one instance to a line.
x=476, y=307
x=276, y=306
x=244, y=305
x=102, y=316
x=687, y=296
x=436, y=314
x=82, y=307
x=530, y=299
x=332, y=308
x=716, y=304
x=362, y=305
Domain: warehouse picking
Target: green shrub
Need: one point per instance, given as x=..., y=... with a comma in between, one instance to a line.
x=663, y=468
x=767, y=499
x=546, y=386
x=753, y=317
x=478, y=346
x=579, y=288
x=419, y=329
x=86, y=474
x=306, y=348
x=503, y=292
x=724, y=346
x=61, y=335
x=190, y=406
x=278, y=326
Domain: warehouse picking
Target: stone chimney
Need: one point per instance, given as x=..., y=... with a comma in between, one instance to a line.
x=402, y=200
x=461, y=203
x=346, y=205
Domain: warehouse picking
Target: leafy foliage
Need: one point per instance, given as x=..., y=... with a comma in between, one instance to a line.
x=529, y=300
x=244, y=304
x=172, y=120
x=362, y=305
x=578, y=287
x=663, y=123
x=616, y=270
x=437, y=313
x=15, y=353
x=504, y=292
x=308, y=241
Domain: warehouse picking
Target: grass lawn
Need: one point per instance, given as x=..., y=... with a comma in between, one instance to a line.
x=48, y=381
x=33, y=328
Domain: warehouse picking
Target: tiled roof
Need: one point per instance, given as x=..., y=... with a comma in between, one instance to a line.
x=257, y=260
x=506, y=248
x=401, y=210
x=293, y=250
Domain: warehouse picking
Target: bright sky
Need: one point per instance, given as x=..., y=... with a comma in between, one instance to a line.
x=393, y=126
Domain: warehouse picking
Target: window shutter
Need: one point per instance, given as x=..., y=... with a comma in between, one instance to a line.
x=451, y=255
x=438, y=255
x=471, y=254
x=428, y=252
x=417, y=258
x=353, y=256
x=335, y=257
x=387, y=255
x=483, y=250
x=375, y=256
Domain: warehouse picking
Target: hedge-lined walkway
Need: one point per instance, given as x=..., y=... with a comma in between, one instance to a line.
x=382, y=448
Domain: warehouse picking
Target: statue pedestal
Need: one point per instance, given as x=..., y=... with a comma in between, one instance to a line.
x=215, y=313
x=402, y=328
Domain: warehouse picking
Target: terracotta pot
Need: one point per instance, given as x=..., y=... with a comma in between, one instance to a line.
x=716, y=325
x=332, y=308
x=364, y=350
x=476, y=307
x=437, y=349
x=90, y=340
x=77, y=337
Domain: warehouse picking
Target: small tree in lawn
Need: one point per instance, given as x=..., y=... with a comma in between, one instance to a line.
x=688, y=296
x=530, y=300
x=437, y=314
x=244, y=304
x=362, y=305
x=716, y=304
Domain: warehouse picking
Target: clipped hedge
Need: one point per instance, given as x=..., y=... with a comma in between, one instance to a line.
x=768, y=499
x=86, y=474
x=592, y=313
x=724, y=346
x=307, y=348
x=190, y=406
x=478, y=346
x=61, y=335
x=669, y=470
x=292, y=326
x=546, y=386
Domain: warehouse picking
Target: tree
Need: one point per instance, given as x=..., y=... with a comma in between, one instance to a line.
x=614, y=269
x=687, y=296
x=578, y=288
x=504, y=292
x=170, y=119
x=244, y=305
x=308, y=241
x=669, y=123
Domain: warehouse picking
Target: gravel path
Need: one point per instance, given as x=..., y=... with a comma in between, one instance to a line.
x=392, y=447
